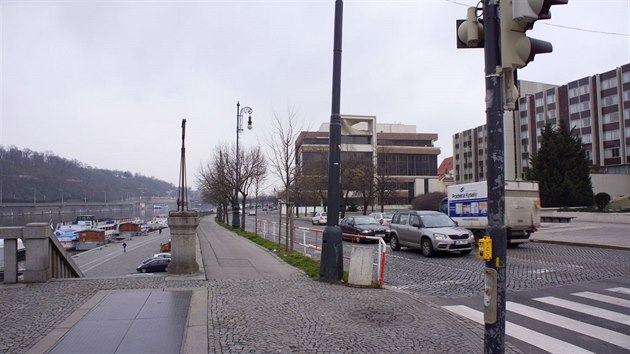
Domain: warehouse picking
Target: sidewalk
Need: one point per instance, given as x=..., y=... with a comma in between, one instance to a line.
x=251, y=302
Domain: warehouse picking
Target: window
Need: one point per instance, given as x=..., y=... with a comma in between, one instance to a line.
x=573, y=92
x=524, y=121
x=611, y=117
x=587, y=138
x=611, y=135
x=540, y=117
x=584, y=89
x=575, y=124
x=609, y=100
x=626, y=113
x=539, y=102
x=628, y=132
x=524, y=134
x=551, y=113
x=612, y=152
x=586, y=105
x=586, y=122
x=626, y=95
x=574, y=108
x=588, y=155
x=551, y=98
x=625, y=77
x=609, y=83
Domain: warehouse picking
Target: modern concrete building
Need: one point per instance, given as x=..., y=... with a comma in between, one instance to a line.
x=396, y=152
x=597, y=107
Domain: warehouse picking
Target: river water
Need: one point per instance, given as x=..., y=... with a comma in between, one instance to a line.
x=70, y=215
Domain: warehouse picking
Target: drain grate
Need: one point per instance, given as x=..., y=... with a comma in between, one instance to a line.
x=381, y=317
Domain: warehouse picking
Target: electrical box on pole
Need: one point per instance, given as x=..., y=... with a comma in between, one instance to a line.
x=470, y=30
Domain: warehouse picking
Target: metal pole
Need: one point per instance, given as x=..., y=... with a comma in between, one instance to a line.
x=494, y=336
x=236, y=223
x=331, y=266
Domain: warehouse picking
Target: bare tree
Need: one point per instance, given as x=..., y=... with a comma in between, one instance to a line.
x=214, y=182
x=384, y=179
x=259, y=179
x=364, y=184
x=253, y=168
x=282, y=159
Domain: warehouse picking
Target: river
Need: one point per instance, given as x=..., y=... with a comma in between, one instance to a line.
x=70, y=215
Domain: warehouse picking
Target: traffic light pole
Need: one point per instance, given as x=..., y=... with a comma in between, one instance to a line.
x=495, y=271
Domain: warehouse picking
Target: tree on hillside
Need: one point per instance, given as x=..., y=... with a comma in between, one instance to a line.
x=561, y=167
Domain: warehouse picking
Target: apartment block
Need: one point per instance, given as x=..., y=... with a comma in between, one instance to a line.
x=597, y=108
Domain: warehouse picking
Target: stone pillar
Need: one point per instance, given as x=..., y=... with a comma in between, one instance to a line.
x=11, y=236
x=183, y=226
x=36, y=241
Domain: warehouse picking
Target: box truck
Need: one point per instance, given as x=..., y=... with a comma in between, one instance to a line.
x=467, y=204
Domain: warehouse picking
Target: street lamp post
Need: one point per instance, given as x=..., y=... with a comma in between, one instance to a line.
x=236, y=223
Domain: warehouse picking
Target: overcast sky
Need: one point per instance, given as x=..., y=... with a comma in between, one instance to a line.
x=108, y=82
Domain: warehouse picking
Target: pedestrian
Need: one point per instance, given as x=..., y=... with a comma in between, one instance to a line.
x=160, y=231
x=124, y=246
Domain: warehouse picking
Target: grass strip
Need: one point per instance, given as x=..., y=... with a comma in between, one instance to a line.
x=309, y=265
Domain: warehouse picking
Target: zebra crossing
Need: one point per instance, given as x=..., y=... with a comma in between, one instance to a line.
x=611, y=324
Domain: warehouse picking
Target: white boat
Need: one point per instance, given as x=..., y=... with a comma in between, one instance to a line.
x=158, y=222
x=68, y=233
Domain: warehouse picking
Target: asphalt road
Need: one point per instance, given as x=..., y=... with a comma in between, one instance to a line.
x=110, y=260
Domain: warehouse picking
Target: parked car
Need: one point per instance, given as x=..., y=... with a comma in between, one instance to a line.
x=429, y=231
x=154, y=264
x=364, y=226
x=251, y=212
x=162, y=255
x=319, y=218
x=383, y=218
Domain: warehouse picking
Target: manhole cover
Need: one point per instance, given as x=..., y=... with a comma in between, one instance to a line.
x=381, y=317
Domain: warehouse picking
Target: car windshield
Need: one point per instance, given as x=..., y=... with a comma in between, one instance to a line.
x=365, y=220
x=323, y=214
x=387, y=216
x=437, y=220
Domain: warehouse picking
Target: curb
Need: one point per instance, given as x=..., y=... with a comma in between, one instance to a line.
x=579, y=244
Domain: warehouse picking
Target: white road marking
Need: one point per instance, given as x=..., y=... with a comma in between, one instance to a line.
x=604, y=298
x=589, y=310
x=620, y=290
x=534, y=338
x=609, y=336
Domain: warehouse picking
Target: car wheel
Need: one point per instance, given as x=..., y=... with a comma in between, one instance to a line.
x=478, y=235
x=312, y=222
x=426, y=247
x=464, y=253
x=144, y=270
x=393, y=243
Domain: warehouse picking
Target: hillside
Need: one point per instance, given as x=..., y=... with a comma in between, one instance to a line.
x=27, y=176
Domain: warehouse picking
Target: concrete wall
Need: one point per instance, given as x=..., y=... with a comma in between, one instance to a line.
x=615, y=185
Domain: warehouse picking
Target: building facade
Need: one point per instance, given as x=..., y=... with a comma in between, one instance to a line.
x=394, y=152
x=596, y=107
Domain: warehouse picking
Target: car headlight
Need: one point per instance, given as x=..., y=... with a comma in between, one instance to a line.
x=440, y=237
x=366, y=231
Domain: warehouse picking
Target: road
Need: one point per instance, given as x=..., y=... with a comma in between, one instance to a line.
x=111, y=261
x=553, y=290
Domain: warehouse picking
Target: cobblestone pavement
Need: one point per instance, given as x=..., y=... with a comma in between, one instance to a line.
x=530, y=266
x=253, y=316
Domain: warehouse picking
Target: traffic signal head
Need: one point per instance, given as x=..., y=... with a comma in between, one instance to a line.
x=518, y=16
x=470, y=30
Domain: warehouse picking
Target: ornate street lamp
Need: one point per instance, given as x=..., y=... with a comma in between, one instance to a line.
x=236, y=220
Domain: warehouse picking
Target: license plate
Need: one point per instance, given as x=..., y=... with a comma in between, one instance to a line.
x=461, y=242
